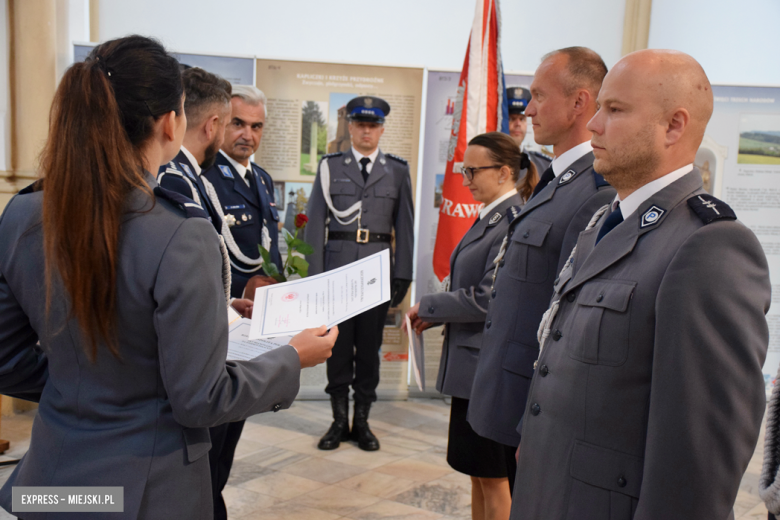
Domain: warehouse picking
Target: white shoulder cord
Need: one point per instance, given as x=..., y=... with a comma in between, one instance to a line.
x=226, y=277
x=173, y=170
x=230, y=242
x=325, y=182
x=546, y=324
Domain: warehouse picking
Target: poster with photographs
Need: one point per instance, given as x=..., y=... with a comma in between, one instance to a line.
x=307, y=119
x=307, y=112
x=740, y=163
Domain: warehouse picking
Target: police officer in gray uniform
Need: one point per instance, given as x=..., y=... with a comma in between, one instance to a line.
x=359, y=198
x=538, y=242
x=517, y=99
x=125, y=399
x=648, y=394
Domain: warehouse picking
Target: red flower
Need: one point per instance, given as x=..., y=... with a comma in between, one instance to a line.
x=301, y=220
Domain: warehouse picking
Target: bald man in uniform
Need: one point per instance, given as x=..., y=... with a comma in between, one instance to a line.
x=648, y=394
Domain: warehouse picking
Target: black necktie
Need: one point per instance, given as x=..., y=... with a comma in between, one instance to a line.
x=547, y=176
x=364, y=162
x=614, y=218
x=249, y=179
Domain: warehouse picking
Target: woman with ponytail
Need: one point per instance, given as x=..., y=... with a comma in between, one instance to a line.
x=490, y=170
x=112, y=304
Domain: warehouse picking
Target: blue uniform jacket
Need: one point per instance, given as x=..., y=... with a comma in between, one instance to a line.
x=251, y=208
x=179, y=176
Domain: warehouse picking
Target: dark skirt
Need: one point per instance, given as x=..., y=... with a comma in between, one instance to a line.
x=472, y=454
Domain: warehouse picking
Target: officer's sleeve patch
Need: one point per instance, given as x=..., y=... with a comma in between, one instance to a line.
x=710, y=209
x=35, y=186
x=399, y=159
x=189, y=207
x=599, y=180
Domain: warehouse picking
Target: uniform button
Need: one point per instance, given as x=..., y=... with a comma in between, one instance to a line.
x=571, y=297
x=511, y=231
x=493, y=294
x=622, y=482
x=365, y=196
x=430, y=310
x=488, y=323
x=557, y=335
x=501, y=263
x=599, y=297
x=526, y=234
x=544, y=371
x=277, y=407
x=365, y=210
x=536, y=409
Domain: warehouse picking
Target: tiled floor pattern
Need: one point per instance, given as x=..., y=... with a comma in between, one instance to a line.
x=280, y=474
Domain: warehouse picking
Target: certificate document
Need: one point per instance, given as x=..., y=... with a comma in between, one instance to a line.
x=330, y=298
x=240, y=347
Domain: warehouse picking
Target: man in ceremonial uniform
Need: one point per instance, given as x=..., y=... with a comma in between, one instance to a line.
x=244, y=194
x=207, y=107
x=538, y=242
x=518, y=98
x=358, y=199
x=648, y=394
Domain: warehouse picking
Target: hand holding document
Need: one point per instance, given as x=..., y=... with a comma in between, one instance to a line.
x=240, y=347
x=325, y=299
x=416, y=354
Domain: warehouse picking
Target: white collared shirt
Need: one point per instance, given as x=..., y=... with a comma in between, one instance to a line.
x=371, y=157
x=240, y=168
x=490, y=207
x=192, y=159
x=569, y=157
x=633, y=201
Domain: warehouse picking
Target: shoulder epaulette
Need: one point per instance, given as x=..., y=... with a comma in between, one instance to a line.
x=399, y=159
x=710, y=209
x=334, y=154
x=599, y=180
x=188, y=206
x=35, y=186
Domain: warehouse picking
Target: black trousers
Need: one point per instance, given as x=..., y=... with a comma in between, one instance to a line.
x=224, y=439
x=355, y=359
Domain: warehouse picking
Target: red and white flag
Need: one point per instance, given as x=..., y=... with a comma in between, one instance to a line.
x=480, y=107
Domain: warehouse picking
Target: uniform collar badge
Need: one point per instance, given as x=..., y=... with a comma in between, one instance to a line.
x=382, y=160
x=566, y=177
x=651, y=216
x=225, y=169
x=494, y=219
x=187, y=170
x=348, y=160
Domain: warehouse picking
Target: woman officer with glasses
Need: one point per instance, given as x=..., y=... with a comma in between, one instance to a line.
x=490, y=170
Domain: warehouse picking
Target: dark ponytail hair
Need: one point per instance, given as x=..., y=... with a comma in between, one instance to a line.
x=504, y=151
x=102, y=115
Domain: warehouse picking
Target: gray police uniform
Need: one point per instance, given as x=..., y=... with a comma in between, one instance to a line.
x=648, y=396
x=463, y=308
x=140, y=422
x=538, y=242
x=386, y=207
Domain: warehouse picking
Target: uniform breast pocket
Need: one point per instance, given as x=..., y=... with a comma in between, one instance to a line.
x=601, y=321
x=343, y=194
x=386, y=197
x=526, y=260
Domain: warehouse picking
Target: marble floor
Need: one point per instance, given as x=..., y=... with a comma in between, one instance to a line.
x=280, y=474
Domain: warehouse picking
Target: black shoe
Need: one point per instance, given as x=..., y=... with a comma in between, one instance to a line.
x=339, y=429
x=361, y=433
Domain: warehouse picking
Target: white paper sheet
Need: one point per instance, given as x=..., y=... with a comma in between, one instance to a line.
x=240, y=347
x=416, y=354
x=325, y=299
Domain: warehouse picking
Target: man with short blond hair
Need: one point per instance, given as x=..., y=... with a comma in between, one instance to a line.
x=648, y=395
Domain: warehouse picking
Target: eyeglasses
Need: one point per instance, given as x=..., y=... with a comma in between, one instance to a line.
x=469, y=172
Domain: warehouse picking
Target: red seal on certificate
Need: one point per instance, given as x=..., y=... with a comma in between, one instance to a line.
x=290, y=296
